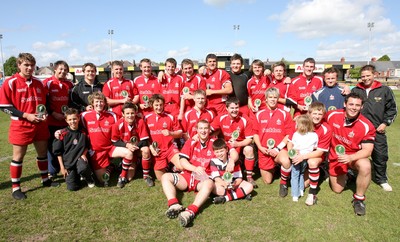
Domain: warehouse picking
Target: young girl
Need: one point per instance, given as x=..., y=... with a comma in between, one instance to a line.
x=303, y=141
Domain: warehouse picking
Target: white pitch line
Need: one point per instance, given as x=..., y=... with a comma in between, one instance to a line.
x=10, y=157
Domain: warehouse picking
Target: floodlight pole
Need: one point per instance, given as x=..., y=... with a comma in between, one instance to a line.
x=2, y=59
x=111, y=32
x=370, y=26
x=236, y=29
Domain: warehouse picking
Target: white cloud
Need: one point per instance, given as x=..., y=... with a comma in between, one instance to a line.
x=53, y=46
x=220, y=3
x=341, y=26
x=179, y=53
x=321, y=18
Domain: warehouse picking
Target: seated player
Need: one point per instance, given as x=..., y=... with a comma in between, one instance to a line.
x=195, y=159
x=237, y=130
x=227, y=190
x=131, y=132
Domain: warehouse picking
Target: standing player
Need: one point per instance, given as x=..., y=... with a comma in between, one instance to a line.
x=58, y=89
x=81, y=92
x=303, y=86
x=379, y=108
x=195, y=114
x=171, y=87
x=237, y=130
x=352, y=144
x=192, y=81
x=218, y=85
x=331, y=94
x=147, y=85
x=239, y=80
x=20, y=97
x=164, y=128
x=272, y=127
x=256, y=87
x=119, y=90
x=281, y=82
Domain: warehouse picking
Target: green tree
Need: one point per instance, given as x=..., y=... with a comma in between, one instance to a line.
x=10, y=66
x=355, y=72
x=384, y=58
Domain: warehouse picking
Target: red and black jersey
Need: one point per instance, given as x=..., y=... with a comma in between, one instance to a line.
x=99, y=126
x=256, y=89
x=146, y=86
x=227, y=125
x=121, y=130
x=194, y=83
x=25, y=95
x=350, y=135
x=275, y=124
x=283, y=91
x=58, y=94
x=301, y=88
x=192, y=117
x=158, y=122
x=199, y=154
x=171, y=88
x=113, y=89
x=216, y=81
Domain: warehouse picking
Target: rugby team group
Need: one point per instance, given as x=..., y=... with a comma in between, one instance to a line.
x=204, y=131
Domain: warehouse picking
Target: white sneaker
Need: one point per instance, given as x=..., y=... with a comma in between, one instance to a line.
x=295, y=199
x=386, y=187
x=301, y=193
x=311, y=200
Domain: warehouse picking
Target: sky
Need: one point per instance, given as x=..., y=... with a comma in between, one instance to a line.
x=78, y=31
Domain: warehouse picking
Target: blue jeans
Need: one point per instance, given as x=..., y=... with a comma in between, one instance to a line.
x=297, y=178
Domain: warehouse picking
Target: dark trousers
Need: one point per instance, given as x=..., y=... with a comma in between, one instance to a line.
x=73, y=180
x=54, y=166
x=380, y=157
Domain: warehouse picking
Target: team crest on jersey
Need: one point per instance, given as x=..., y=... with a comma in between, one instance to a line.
x=264, y=85
x=314, y=88
x=176, y=85
x=278, y=122
x=351, y=134
x=378, y=99
x=191, y=86
x=75, y=142
x=208, y=153
x=38, y=90
x=213, y=79
x=164, y=125
x=91, y=122
x=331, y=97
x=152, y=85
x=106, y=123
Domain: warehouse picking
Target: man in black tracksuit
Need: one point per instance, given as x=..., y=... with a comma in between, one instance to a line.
x=82, y=90
x=380, y=108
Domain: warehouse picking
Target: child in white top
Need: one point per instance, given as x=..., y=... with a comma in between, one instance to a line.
x=303, y=141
